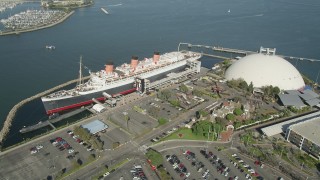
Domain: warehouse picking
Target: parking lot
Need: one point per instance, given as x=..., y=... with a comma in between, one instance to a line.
x=204, y=163
x=135, y=168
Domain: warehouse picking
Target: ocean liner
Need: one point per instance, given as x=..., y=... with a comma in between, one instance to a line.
x=121, y=80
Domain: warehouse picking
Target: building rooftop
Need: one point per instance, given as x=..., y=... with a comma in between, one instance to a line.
x=311, y=93
x=292, y=92
x=309, y=129
x=283, y=126
x=95, y=126
x=306, y=96
x=291, y=100
x=313, y=102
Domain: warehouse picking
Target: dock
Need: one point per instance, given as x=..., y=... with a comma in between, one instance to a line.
x=50, y=122
x=199, y=48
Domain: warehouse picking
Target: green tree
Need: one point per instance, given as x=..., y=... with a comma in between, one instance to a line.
x=237, y=124
x=84, y=134
x=175, y=102
x=250, y=87
x=164, y=95
x=184, y=88
x=237, y=111
x=202, y=128
x=196, y=92
x=162, y=121
x=275, y=91
x=243, y=85
x=230, y=117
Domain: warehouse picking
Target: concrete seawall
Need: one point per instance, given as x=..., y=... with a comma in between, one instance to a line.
x=37, y=28
x=7, y=124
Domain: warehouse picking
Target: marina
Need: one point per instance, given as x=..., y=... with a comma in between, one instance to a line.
x=32, y=18
x=8, y=5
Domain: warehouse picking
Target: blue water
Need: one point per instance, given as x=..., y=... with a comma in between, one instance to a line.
x=139, y=27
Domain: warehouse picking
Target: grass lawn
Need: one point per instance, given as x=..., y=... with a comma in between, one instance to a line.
x=185, y=133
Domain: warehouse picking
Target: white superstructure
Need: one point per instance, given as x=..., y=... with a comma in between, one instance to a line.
x=264, y=70
x=126, y=74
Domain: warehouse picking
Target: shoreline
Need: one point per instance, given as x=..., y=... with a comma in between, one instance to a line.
x=38, y=28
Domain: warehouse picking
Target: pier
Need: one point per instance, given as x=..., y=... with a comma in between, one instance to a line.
x=234, y=51
x=50, y=122
x=7, y=124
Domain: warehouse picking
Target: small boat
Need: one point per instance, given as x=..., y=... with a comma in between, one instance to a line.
x=105, y=11
x=229, y=11
x=50, y=47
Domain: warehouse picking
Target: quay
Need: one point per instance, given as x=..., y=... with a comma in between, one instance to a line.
x=50, y=122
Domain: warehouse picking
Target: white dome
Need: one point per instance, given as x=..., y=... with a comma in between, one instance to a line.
x=264, y=70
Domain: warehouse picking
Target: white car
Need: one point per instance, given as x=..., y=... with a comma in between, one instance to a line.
x=187, y=174
x=236, y=178
x=39, y=146
x=247, y=176
x=33, y=151
x=70, y=151
x=89, y=149
x=234, y=155
x=106, y=174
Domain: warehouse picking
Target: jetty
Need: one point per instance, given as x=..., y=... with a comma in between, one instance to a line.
x=200, y=48
x=50, y=122
x=7, y=124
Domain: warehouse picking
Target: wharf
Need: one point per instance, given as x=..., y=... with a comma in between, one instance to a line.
x=51, y=121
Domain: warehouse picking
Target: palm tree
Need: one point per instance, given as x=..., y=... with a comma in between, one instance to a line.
x=127, y=118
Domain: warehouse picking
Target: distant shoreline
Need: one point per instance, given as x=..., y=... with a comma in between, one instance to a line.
x=38, y=27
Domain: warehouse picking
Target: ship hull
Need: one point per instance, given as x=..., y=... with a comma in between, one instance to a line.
x=56, y=106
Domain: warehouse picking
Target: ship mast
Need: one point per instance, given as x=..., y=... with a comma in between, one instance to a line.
x=80, y=72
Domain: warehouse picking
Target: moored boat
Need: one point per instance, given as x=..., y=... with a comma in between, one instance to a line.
x=120, y=80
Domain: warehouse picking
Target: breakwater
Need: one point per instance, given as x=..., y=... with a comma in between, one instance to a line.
x=3, y=33
x=7, y=124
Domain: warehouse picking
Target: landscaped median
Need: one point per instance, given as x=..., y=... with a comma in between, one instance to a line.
x=111, y=169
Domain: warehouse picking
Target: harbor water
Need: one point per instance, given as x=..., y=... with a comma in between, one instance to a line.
x=140, y=27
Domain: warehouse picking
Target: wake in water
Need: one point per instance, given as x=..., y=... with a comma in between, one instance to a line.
x=113, y=5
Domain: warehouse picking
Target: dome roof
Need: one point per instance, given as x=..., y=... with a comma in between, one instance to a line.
x=264, y=70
